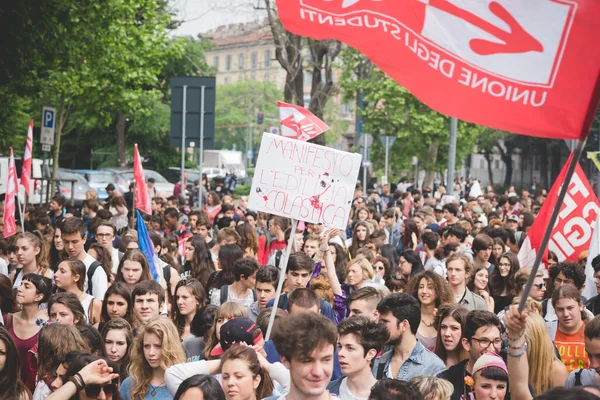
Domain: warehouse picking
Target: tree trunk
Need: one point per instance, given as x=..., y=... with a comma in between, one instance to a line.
x=488, y=158
x=121, y=139
x=544, y=165
x=432, y=152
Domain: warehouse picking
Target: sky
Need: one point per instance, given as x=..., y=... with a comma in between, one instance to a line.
x=199, y=16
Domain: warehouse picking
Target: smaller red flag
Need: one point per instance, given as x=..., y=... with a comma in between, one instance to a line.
x=572, y=232
x=26, y=171
x=10, y=224
x=142, y=200
x=299, y=123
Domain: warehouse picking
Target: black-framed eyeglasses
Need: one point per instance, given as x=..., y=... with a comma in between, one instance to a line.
x=93, y=391
x=484, y=343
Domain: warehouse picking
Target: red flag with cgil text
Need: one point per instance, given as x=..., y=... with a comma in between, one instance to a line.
x=299, y=123
x=26, y=171
x=572, y=232
x=10, y=224
x=142, y=200
x=520, y=66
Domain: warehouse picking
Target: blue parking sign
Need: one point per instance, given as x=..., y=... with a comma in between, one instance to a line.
x=48, y=125
x=48, y=118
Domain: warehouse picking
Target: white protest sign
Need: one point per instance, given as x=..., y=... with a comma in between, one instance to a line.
x=304, y=181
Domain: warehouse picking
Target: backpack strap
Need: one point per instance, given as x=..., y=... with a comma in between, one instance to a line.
x=167, y=276
x=281, y=302
x=382, y=361
x=224, y=293
x=278, y=258
x=90, y=274
x=254, y=295
x=544, y=308
x=578, y=377
x=17, y=272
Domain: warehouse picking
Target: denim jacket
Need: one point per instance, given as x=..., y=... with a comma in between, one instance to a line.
x=420, y=362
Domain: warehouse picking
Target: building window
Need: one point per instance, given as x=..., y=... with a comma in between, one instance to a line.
x=267, y=77
x=241, y=61
x=347, y=107
x=227, y=80
x=497, y=164
x=482, y=164
x=228, y=63
x=216, y=62
x=253, y=60
x=267, y=58
x=252, y=77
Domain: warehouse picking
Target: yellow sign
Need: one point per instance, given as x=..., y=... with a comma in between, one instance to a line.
x=595, y=157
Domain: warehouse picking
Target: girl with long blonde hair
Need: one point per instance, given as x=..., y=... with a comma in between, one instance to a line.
x=156, y=348
x=545, y=369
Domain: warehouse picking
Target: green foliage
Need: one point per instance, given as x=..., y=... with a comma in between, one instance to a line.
x=237, y=104
x=390, y=109
x=242, y=190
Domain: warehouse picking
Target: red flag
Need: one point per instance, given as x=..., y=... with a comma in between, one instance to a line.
x=497, y=63
x=573, y=229
x=299, y=123
x=142, y=200
x=26, y=171
x=10, y=224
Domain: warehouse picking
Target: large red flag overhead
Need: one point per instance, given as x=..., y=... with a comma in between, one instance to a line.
x=10, y=225
x=26, y=171
x=522, y=66
x=572, y=232
x=142, y=200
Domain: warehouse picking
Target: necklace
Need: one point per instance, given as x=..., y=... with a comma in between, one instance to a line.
x=153, y=388
x=426, y=324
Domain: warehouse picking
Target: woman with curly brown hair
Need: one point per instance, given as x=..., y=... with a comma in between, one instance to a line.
x=432, y=292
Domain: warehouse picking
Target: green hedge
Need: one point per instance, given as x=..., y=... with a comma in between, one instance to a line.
x=242, y=190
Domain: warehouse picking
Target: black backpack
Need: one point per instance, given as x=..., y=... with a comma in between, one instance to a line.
x=90, y=275
x=225, y=293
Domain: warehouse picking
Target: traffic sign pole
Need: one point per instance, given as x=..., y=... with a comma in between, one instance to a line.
x=183, y=147
x=387, y=153
x=201, y=145
x=451, y=157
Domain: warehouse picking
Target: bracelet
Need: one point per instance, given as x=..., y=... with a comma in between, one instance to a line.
x=324, y=251
x=78, y=375
x=514, y=339
x=519, y=354
x=517, y=347
x=75, y=382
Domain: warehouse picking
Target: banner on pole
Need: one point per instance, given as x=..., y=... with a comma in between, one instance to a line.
x=142, y=199
x=304, y=181
x=10, y=224
x=498, y=63
x=299, y=123
x=26, y=170
x=572, y=231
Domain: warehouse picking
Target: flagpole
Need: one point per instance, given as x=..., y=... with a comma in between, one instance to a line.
x=282, y=269
x=559, y=201
x=20, y=213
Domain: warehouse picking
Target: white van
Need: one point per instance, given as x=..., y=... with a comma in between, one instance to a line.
x=36, y=196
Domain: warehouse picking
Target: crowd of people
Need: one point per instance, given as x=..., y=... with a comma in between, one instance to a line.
x=416, y=299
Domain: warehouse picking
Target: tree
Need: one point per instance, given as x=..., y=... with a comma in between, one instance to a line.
x=236, y=109
x=289, y=53
x=390, y=109
x=106, y=54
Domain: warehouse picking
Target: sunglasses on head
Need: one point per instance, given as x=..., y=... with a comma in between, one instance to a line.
x=397, y=277
x=93, y=391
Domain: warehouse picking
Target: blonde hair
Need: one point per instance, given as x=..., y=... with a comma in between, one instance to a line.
x=322, y=288
x=365, y=265
x=171, y=354
x=433, y=388
x=531, y=305
x=226, y=310
x=540, y=353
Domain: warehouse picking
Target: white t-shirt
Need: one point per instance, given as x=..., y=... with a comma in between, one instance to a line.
x=215, y=297
x=115, y=261
x=346, y=394
x=99, y=279
x=3, y=267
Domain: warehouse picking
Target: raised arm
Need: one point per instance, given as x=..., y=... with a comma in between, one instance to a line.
x=517, y=363
x=329, y=264
x=178, y=373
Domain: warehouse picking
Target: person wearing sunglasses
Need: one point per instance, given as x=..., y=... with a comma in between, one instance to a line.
x=88, y=377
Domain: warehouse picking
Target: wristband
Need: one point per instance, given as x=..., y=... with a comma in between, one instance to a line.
x=75, y=382
x=516, y=338
x=78, y=375
x=519, y=354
